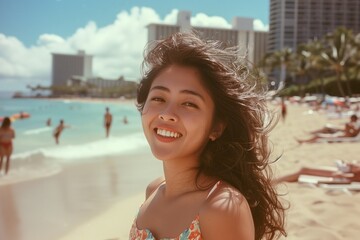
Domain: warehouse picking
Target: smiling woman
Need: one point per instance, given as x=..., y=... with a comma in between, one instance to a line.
x=204, y=120
x=176, y=101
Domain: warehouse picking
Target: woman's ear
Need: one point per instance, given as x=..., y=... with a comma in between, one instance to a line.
x=217, y=130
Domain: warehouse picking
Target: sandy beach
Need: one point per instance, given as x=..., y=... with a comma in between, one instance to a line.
x=314, y=213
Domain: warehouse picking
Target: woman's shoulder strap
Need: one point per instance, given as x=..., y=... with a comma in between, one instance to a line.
x=155, y=184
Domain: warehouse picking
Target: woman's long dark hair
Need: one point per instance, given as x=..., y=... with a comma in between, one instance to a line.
x=240, y=156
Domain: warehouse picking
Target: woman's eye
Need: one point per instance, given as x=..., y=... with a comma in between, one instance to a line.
x=190, y=104
x=157, y=99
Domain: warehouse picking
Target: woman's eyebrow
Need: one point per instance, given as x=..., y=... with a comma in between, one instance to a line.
x=185, y=91
x=196, y=94
x=160, y=88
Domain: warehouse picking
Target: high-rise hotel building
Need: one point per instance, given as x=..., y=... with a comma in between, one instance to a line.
x=293, y=22
x=241, y=34
x=66, y=66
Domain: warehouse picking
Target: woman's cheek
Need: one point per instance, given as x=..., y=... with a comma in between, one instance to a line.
x=146, y=108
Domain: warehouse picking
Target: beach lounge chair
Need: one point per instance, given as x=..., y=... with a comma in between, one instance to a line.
x=339, y=139
x=330, y=183
x=348, y=188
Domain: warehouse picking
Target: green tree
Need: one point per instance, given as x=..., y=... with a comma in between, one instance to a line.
x=316, y=66
x=338, y=55
x=281, y=60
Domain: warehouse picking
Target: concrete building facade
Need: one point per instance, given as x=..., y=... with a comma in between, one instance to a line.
x=253, y=43
x=293, y=22
x=65, y=66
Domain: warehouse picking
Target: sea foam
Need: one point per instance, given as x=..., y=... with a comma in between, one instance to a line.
x=108, y=146
x=37, y=130
x=45, y=162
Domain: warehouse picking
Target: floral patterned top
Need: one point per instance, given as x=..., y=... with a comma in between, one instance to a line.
x=192, y=233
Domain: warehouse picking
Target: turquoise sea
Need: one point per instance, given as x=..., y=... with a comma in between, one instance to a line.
x=85, y=121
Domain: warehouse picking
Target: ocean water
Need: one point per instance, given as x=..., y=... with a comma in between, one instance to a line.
x=84, y=138
x=85, y=121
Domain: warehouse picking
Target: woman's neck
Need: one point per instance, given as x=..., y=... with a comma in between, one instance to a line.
x=181, y=180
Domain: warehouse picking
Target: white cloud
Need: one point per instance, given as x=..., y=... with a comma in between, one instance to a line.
x=260, y=26
x=171, y=18
x=117, y=48
x=17, y=61
x=202, y=20
x=47, y=39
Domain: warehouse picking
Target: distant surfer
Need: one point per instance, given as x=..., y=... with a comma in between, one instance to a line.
x=20, y=115
x=107, y=121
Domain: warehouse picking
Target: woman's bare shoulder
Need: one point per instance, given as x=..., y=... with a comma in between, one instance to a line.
x=153, y=185
x=223, y=197
x=226, y=215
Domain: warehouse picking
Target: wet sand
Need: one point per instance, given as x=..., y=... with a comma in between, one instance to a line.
x=49, y=207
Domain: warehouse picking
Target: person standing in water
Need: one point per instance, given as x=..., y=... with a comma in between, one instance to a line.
x=58, y=130
x=125, y=120
x=7, y=134
x=107, y=121
x=48, y=122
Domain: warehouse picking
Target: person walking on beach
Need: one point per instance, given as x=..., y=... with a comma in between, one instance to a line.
x=203, y=119
x=58, y=130
x=7, y=134
x=283, y=109
x=107, y=121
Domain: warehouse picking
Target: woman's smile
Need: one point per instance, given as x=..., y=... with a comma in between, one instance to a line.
x=167, y=133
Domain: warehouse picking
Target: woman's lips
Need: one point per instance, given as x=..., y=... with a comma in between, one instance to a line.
x=166, y=135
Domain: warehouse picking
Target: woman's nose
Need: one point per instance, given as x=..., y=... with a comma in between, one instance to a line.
x=168, y=116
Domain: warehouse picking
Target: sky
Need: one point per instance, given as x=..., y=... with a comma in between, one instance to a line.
x=113, y=31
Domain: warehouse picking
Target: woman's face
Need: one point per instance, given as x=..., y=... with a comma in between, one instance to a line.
x=178, y=114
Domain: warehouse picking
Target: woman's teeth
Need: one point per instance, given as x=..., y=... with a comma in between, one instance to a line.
x=166, y=133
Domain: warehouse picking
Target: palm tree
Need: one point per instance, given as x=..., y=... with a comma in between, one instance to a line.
x=338, y=55
x=316, y=66
x=356, y=58
x=282, y=60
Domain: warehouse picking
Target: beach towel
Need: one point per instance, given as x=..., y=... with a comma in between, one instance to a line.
x=330, y=183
